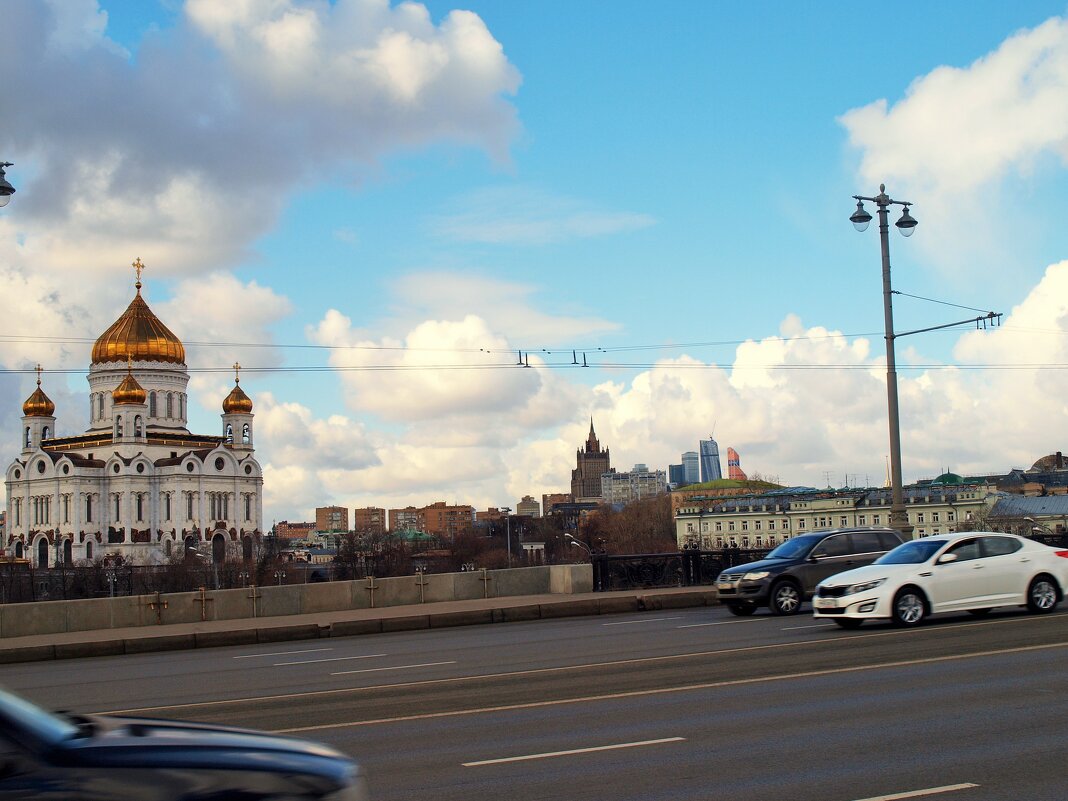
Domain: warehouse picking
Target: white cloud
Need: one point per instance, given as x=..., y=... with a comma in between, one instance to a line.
x=958, y=131
x=186, y=155
x=527, y=216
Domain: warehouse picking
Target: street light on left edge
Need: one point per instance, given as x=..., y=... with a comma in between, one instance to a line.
x=6, y=189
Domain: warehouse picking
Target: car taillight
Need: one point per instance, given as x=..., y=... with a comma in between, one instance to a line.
x=1062, y=554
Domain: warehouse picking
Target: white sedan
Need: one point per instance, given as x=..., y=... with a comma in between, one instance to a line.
x=969, y=572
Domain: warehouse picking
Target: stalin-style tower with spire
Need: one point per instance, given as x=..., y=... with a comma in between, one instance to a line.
x=592, y=463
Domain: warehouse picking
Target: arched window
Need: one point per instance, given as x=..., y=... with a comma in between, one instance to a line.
x=170, y=405
x=100, y=405
x=45, y=432
x=248, y=507
x=246, y=433
x=167, y=548
x=118, y=427
x=167, y=506
x=118, y=507
x=140, y=507
x=68, y=552
x=229, y=433
x=92, y=408
x=152, y=403
x=218, y=549
x=29, y=438
x=181, y=406
x=246, y=549
x=89, y=550
x=88, y=508
x=42, y=552
x=18, y=549
x=137, y=426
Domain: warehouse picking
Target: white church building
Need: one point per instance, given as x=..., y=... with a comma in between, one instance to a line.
x=137, y=483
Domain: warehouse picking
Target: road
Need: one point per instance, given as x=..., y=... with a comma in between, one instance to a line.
x=687, y=704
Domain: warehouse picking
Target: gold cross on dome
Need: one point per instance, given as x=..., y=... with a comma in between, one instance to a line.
x=39, y=369
x=237, y=373
x=138, y=267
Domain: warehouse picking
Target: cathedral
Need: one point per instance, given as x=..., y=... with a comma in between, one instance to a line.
x=137, y=483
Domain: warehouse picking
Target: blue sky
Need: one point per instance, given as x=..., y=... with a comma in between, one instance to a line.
x=548, y=176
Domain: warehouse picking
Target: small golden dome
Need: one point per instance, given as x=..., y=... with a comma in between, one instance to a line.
x=129, y=392
x=139, y=335
x=237, y=402
x=38, y=404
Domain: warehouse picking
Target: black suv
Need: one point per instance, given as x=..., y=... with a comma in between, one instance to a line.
x=788, y=576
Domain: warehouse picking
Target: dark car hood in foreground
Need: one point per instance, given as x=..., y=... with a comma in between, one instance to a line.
x=148, y=743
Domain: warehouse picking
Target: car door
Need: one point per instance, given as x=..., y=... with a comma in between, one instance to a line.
x=831, y=556
x=1008, y=569
x=957, y=584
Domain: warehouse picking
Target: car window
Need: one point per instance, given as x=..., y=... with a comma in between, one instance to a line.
x=836, y=545
x=867, y=542
x=966, y=550
x=888, y=540
x=1000, y=546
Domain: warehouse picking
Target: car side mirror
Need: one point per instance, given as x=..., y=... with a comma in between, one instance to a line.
x=946, y=558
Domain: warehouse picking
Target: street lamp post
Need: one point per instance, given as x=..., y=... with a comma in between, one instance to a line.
x=508, y=530
x=860, y=218
x=6, y=189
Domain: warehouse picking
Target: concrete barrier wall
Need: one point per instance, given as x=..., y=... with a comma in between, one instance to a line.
x=53, y=617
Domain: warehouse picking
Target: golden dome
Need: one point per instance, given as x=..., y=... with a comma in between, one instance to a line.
x=237, y=402
x=38, y=404
x=139, y=335
x=129, y=392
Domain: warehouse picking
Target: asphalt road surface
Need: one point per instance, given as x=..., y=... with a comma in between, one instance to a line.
x=687, y=704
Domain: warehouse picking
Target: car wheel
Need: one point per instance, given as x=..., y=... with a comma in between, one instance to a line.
x=1042, y=595
x=785, y=598
x=849, y=622
x=909, y=607
x=979, y=612
x=741, y=610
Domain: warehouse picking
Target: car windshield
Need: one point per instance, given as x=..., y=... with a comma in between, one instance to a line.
x=798, y=546
x=18, y=714
x=911, y=553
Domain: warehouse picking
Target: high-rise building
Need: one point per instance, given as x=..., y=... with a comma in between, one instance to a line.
x=528, y=507
x=734, y=466
x=447, y=521
x=332, y=519
x=691, y=465
x=369, y=520
x=409, y=518
x=592, y=464
x=638, y=483
x=676, y=475
x=710, y=466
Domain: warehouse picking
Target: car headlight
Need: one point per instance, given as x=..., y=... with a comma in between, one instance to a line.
x=853, y=589
x=756, y=575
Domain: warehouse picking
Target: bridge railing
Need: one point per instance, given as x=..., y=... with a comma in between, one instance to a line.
x=685, y=568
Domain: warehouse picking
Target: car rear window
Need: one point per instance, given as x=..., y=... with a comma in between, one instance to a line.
x=1000, y=546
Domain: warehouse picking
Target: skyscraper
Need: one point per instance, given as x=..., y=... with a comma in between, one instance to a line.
x=710, y=466
x=592, y=463
x=676, y=475
x=691, y=466
x=734, y=466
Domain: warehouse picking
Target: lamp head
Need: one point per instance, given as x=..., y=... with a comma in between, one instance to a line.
x=860, y=218
x=906, y=225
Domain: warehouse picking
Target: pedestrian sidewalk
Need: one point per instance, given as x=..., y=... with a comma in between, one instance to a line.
x=345, y=623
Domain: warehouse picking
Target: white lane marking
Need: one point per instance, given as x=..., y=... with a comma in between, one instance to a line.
x=725, y=623
x=395, y=667
x=712, y=685
x=573, y=751
x=813, y=626
x=907, y=632
x=283, y=653
x=328, y=659
x=646, y=620
x=949, y=788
